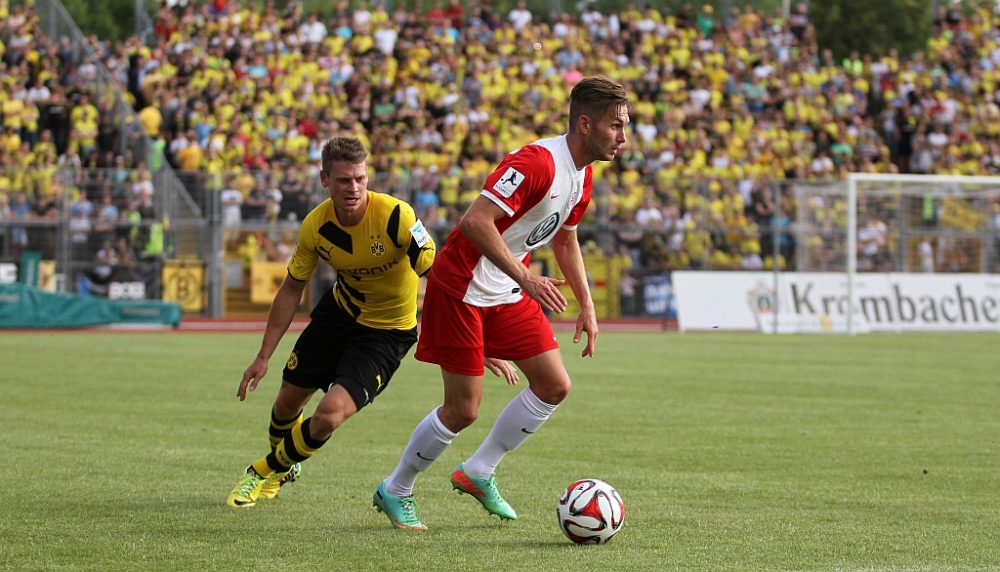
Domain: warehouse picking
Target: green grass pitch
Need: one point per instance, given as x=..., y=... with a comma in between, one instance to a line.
x=733, y=452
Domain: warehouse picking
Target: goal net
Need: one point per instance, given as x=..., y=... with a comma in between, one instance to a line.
x=913, y=252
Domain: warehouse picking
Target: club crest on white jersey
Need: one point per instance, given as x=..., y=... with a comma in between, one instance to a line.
x=509, y=182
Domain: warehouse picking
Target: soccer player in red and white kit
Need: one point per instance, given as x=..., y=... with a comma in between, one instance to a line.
x=482, y=300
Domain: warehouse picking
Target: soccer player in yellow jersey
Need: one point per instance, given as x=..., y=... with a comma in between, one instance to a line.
x=359, y=331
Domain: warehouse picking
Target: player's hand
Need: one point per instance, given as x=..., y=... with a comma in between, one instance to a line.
x=252, y=376
x=586, y=322
x=545, y=290
x=502, y=367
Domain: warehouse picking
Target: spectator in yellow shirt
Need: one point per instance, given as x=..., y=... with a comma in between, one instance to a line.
x=10, y=141
x=12, y=109
x=151, y=119
x=189, y=157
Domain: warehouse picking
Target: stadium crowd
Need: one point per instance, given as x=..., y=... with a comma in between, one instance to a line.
x=240, y=99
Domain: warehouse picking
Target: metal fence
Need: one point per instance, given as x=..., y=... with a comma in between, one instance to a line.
x=650, y=226
x=95, y=226
x=125, y=131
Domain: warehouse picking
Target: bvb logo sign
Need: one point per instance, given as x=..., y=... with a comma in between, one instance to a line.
x=184, y=283
x=293, y=361
x=378, y=249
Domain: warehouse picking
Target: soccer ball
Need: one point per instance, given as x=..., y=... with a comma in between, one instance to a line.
x=590, y=512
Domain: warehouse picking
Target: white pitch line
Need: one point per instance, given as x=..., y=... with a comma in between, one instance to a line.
x=917, y=569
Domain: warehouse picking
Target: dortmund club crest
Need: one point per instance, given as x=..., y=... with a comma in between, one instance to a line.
x=377, y=248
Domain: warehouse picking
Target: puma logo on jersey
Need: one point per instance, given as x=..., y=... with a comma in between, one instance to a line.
x=509, y=182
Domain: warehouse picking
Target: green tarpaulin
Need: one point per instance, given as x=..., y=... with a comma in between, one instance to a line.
x=27, y=307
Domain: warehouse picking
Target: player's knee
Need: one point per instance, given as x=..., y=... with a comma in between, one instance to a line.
x=325, y=423
x=286, y=408
x=458, y=417
x=290, y=401
x=553, y=393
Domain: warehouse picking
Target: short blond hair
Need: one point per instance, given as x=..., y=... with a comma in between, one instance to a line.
x=341, y=148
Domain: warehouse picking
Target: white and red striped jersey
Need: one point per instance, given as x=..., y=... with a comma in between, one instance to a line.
x=540, y=188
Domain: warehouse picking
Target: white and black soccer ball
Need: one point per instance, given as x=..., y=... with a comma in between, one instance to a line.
x=590, y=512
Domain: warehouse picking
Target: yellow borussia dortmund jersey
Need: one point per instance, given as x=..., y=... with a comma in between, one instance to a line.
x=378, y=261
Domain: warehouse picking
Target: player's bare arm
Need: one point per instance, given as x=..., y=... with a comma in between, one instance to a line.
x=566, y=247
x=479, y=226
x=286, y=301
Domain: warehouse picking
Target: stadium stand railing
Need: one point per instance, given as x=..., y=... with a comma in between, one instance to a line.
x=176, y=203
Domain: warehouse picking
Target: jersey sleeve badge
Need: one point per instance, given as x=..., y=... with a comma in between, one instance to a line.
x=420, y=234
x=509, y=182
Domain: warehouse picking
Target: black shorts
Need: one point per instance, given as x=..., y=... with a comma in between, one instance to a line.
x=340, y=351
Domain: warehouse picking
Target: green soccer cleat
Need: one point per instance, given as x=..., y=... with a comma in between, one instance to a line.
x=247, y=490
x=402, y=512
x=484, y=490
x=270, y=488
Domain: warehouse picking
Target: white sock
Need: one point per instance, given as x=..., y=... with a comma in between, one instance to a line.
x=522, y=417
x=427, y=442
